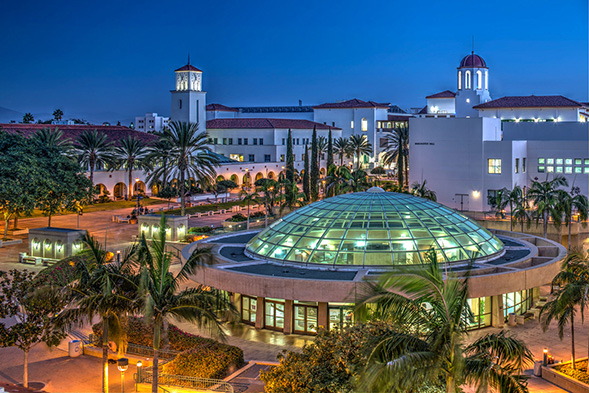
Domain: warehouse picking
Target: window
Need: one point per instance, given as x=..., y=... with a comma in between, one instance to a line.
x=249, y=308
x=586, y=161
x=516, y=164
x=297, y=141
x=282, y=158
x=340, y=316
x=578, y=161
x=305, y=318
x=541, y=169
x=586, y=170
x=491, y=195
x=459, y=80
x=261, y=141
x=283, y=141
x=239, y=141
x=568, y=169
x=550, y=161
x=524, y=165
x=559, y=161
x=494, y=166
x=352, y=124
x=558, y=169
x=230, y=141
x=216, y=141
x=578, y=169
x=550, y=169
x=541, y=161
x=252, y=158
x=568, y=161
x=333, y=123
x=179, y=104
x=236, y=157
x=479, y=80
x=364, y=124
x=224, y=141
x=245, y=141
x=467, y=80
x=486, y=80
x=255, y=141
x=266, y=157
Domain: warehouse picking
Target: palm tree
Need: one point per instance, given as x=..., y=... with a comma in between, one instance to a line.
x=293, y=198
x=268, y=188
x=104, y=290
x=132, y=154
x=191, y=156
x=53, y=139
x=341, y=146
x=511, y=198
x=94, y=151
x=163, y=300
x=569, y=202
x=544, y=195
x=321, y=149
x=249, y=198
x=359, y=181
x=160, y=156
x=520, y=213
x=360, y=146
x=432, y=316
x=397, y=150
x=421, y=190
x=338, y=178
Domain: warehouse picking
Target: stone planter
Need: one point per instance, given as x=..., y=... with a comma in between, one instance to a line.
x=562, y=380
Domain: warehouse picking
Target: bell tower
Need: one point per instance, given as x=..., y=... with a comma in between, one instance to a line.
x=472, y=85
x=188, y=99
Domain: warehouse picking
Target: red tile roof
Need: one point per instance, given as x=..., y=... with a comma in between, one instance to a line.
x=220, y=108
x=114, y=133
x=267, y=123
x=189, y=67
x=355, y=103
x=473, y=61
x=398, y=117
x=423, y=111
x=443, y=94
x=530, y=102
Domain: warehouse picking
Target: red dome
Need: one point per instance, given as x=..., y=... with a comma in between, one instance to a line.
x=473, y=61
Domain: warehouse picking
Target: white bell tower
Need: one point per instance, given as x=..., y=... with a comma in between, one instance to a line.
x=188, y=99
x=472, y=85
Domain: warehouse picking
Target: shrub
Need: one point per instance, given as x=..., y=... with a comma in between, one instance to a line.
x=194, y=238
x=206, y=229
x=237, y=218
x=580, y=374
x=60, y=274
x=258, y=214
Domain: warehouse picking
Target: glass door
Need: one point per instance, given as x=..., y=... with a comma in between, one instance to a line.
x=274, y=315
x=305, y=319
x=249, y=307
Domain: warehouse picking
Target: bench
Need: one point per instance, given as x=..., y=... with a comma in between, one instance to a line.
x=32, y=260
x=534, y=313
x=520, y=319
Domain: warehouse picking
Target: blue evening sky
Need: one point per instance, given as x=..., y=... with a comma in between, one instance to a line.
x=115, y=59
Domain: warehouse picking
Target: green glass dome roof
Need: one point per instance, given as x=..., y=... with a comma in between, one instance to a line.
x=373, y=228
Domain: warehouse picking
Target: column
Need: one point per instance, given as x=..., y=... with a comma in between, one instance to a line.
x=498, y=311
x=322, y=315
x=260, y=312
x=288, y=309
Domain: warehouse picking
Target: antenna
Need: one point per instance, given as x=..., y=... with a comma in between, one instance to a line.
x=473, y=44
x=188, y=58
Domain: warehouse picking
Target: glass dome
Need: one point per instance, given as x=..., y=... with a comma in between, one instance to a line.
x=373, y=228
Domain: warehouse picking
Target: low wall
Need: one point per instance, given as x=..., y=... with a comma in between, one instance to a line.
x=562, y=380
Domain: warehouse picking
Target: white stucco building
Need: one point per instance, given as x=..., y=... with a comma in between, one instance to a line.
x=486, y=145
x=151, y=122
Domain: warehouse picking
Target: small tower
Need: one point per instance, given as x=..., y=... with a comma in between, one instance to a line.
x=188, y=99
x=472, y=85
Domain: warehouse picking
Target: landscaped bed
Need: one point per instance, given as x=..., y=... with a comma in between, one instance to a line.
x=580, y=374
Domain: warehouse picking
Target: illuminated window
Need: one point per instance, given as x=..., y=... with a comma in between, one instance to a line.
x=467, y=80
x=495, y=166
x=578, y=169
x=559, y=161
x=364, y=124
x=459, y=80
x=558, y=169
x=578, y=161
x=516, y=165
x=568, y=169
x=550, y=161
x=541, y=169
x=236, y=157
x=550, y=169
x=352, y=124
x=479, y=80
x=524, y=165
x=541, y=161
x=586, y=170
x=568, y=161
x=486, y=80
x=586, y=161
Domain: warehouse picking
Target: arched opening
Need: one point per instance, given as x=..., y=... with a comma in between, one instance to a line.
x=36, y=248
x=247, y=180
x=259, y=176
x=459, y=80
x=234, y=179
x=99, y=188
x=220, y=178
x=322, y=172
x=479, y=79
x=271, y=175
x=486, y=80
x=467, y=80
x=47, y=248
x=154, y=189
x=364, y=124
x=59, y=250
x=139, y=188
x=120, y=190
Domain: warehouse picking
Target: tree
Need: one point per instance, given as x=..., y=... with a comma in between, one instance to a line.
x=104, y=290
x=432, y=316
x=289, y=159
x=131, y=155
x=572, y=201
x=162, y=299
x=421, y=190
x=544, y=195
x=511, y=198
x=342, y=148
x=321, y=149
x=338, y=178
x=249, y=198
x=28, y=118
x=397, y=151
x=94, y=151
x=293, y=198
x=359, y=181
x=314, y=179
x=360, y=146
x=53, y=139
x=306, y=179
x=268, y=188
x=191, y=156
x=58, y=114
x=329, y=151
x=33, y=314
x=159, y=155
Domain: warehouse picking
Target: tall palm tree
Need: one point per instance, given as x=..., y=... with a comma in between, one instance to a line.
x=421, y=190
x=544, y=195
x=159, y=155
x=360, y=146
x=572, y=201
x=520, y=213
x=94, y=151
x=321, y=149
x=163, y=300
x=512, y=198
x=191, y=156
x=249, y=198
x=132, y=155
x=397, y=151
x=53, y=139
x=432, y=317
x=104, y=290
x=293, y=198
x=341, y=146
x=338, y=179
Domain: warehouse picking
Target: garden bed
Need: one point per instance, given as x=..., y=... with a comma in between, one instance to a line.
x=563, y=376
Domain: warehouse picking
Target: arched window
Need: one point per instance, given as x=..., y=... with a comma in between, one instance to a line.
x=459, y=80
x=467, y=80
x=486, y=80
x=479, y=79
x=364, y=124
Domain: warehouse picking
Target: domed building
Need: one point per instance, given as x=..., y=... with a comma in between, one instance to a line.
x=311, y=267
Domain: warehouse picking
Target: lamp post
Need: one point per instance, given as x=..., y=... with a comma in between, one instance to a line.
x=545, y=360
x=139, y=365
x=118, y=256
x=123, y=365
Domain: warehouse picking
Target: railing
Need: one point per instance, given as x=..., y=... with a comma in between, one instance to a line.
x=139, y=350
x=212, y=385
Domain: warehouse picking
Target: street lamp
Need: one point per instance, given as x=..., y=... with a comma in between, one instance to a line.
x=118, y=256
x=545, y=360
x=139, y=365
x=123, y=365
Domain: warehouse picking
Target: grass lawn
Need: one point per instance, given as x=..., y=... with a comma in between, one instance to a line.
x=206, y=208
x=99, y=207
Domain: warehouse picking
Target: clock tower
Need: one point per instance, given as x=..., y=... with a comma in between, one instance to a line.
x=188, y=99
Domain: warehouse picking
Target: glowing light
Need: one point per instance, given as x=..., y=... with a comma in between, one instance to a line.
x=476, y=194
x=360, y=243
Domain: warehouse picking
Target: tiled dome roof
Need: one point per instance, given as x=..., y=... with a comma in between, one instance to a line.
x=473, y=61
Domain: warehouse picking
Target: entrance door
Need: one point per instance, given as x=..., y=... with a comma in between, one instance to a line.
x=461, y=202
x=305, y=319
x=249, y=306
x=274, y=315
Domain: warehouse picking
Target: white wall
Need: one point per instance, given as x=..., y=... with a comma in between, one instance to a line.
x=441, y=105
x=560, y=114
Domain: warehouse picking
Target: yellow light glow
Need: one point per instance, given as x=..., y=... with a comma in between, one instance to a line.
x=476, y=194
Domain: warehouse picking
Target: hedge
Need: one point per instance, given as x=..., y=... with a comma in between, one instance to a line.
x=61, y=273
x=201, y=357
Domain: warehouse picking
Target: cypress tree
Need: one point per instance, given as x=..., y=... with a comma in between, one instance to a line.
x=329, y=151
x=289, y=159
x=314, y=167
x=306, y=188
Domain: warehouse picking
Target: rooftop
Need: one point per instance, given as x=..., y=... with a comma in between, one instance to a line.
x=473, y=61
x=530, y=102
x=265, y=123
x=188, y=67
x=354, y=103
x=220, y=108
x=443, y=94
x=274, y=109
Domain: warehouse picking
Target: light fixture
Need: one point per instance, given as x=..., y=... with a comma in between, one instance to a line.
x=476, y=193
x=139, y=365
x=545, y=359
x=123, y=365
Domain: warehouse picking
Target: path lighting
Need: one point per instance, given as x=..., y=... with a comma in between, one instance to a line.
x=118, y=256
x=545, y=360
x=139, y=365
x=123, y=365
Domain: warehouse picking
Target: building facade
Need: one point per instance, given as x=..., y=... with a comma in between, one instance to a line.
x=151, y=122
